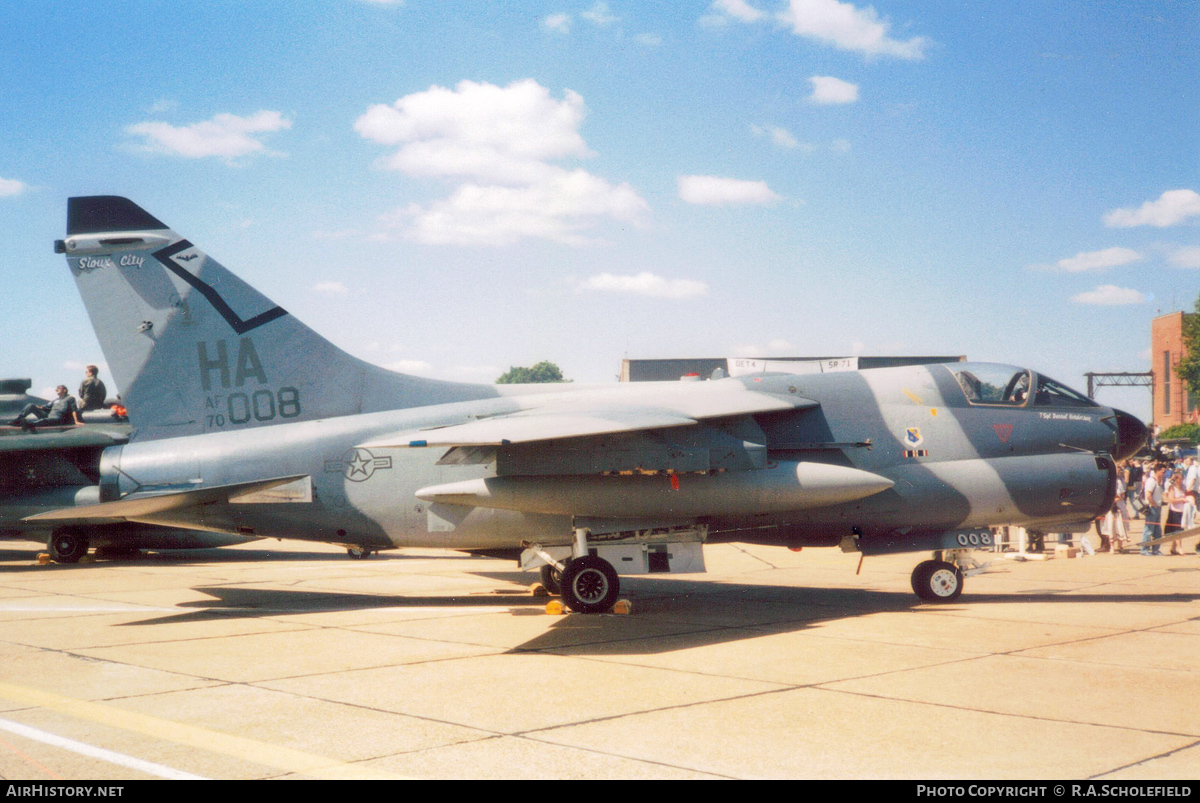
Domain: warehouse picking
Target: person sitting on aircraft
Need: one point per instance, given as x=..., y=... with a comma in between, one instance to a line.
x=63, y=411
x=92, y=392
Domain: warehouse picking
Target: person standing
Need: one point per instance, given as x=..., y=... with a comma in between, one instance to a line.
x=1175, y=500
x=92, y=392
x=1152, y=497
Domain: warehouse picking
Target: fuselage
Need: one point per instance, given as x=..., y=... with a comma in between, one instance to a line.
x=1036, y=458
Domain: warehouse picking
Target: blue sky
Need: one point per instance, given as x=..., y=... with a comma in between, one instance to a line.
x=451, y=188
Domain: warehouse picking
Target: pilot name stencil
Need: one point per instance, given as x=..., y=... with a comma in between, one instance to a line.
x=1066, y=417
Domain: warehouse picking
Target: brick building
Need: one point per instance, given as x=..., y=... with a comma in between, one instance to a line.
x=1172, y=403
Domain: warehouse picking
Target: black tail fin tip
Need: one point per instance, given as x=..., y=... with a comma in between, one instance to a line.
x=97, y=214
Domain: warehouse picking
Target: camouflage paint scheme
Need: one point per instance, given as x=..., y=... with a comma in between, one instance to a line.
x=288, y=436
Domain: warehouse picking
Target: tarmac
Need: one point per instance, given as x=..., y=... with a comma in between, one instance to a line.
x=290, y=660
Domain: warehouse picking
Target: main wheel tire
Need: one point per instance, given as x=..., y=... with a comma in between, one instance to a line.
x=937, y=581
x=68, y=545
x=552, y=579
x=590, y=585
x=358, y=552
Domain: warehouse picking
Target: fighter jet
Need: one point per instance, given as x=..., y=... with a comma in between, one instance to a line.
x=247, y=422
x=60, y=466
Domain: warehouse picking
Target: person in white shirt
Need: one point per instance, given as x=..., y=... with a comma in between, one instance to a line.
x=1152, y=497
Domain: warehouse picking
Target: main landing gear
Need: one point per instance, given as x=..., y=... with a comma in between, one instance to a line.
x=587, y=583
x=590, y=585
x=552, y=579
x=68, y=545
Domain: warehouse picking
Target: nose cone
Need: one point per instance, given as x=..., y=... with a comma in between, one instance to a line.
x=1131, y=434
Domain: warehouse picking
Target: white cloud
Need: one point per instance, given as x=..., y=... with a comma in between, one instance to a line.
x=556, y=208
x=775, y=348
x=410, y=367
x=225, y=135
x=648, y=39
x=330, y=288
x=840, y=145
x=478, y=130
x=502, y=139
x=841, y=25
x=780, y=136
x=599, y=14
x=474, y=373
x=1173, y=206
x=1186, y=257
x=1109, y=295
x=76, y=365
x=645, y=284
x=10, y=186
x=828, y=90
x=714, y=190
x=739, y=10
x=559, y=23
x=1097, y=260
x=849, y=28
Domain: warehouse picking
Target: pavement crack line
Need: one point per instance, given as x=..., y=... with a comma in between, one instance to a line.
x=752, y=555
x=1009, y=714
x=226, y=744
x=1146, y=760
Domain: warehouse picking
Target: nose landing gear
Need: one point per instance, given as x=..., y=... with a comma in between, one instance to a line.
x=937, y=581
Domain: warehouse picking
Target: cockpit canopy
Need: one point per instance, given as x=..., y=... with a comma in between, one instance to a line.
x=1009, y=386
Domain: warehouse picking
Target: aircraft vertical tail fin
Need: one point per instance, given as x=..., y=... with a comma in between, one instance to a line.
x=195, y=349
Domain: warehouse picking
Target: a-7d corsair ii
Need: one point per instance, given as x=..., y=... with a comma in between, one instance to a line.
x=247, y=422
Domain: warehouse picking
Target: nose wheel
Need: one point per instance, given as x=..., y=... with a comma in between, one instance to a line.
x=937, y=581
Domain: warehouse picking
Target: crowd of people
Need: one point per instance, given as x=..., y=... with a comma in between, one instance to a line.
x=1163, y=492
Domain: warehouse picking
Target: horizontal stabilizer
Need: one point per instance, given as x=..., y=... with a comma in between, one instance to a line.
x=147, y=507
x=579, y=421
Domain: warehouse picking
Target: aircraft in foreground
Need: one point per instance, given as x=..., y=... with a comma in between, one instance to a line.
x=246, y=422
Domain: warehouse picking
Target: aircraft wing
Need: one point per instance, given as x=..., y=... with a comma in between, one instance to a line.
x=89, y=436
x=577, y=420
